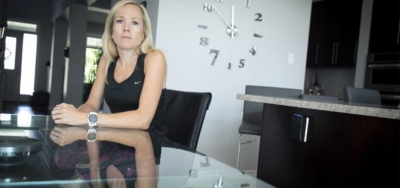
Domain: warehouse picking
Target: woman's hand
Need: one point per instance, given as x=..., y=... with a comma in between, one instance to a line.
x=67, y=114
x=95, y=175
x=67, y=135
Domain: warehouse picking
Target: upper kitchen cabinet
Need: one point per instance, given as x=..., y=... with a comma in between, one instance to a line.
x=316, y=40
x=334, y=31
x=385, y=27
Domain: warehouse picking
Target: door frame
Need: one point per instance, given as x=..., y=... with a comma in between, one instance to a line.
x=17, y=69
x=18, y=62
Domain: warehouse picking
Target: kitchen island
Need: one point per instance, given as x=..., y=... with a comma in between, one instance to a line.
x=346, y=145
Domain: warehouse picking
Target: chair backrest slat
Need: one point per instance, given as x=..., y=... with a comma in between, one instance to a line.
x=185, y=113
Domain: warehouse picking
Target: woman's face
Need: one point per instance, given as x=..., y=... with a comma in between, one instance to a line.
x=128, y=27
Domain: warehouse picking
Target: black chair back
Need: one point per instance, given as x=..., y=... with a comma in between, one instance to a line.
x=252, y=111
x=184, y=116
x=362, y=96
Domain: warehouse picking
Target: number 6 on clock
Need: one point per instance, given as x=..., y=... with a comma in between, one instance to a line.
x=216, y=55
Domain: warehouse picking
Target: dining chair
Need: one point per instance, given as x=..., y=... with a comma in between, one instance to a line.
x=184, y=115
x=252, y=111
x=362, y=96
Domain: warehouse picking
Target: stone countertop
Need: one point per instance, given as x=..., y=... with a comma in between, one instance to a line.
x=341, y=107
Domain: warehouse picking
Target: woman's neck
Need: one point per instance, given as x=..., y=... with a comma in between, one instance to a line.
x=128, y=57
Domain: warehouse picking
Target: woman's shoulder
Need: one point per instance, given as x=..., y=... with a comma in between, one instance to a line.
x=155, y=56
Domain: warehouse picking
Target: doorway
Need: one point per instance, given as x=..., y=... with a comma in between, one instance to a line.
x=19, y=65
x=12, y=66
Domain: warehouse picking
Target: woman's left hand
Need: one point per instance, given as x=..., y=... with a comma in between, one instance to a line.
x=66, y=135
x=67, y=114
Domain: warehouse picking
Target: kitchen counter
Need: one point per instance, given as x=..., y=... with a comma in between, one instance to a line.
x=338, y=144
x=341, y=107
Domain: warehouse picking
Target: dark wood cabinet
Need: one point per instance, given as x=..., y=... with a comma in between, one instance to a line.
x=385, y=27
x=334, y=31
x=347, y=43
x=342, y=150
x=316, y=36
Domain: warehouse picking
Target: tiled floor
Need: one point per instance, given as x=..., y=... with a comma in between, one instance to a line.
x=22, y=108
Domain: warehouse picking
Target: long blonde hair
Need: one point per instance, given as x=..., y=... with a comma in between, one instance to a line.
x=110, y=48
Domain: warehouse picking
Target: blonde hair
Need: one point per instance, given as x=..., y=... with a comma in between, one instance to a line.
x=110, y=48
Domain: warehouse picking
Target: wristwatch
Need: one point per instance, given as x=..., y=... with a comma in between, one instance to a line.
x=91, y=135
x=92, y=119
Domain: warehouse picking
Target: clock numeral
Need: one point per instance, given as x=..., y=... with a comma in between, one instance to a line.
x=202, y=26
x=229, y=66
x=257, y=35
x=204, y=41
x=216, y=55
x=253, y=50
x=259, y=17
x=248, y=4
x=207, y=7
x=241, y=63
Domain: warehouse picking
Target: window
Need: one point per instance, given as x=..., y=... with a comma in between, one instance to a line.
x=28, y=64
x=9, y=54
x=92, y=60
x=93, y=54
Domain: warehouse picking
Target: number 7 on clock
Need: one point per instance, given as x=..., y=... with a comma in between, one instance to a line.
x=216, y=55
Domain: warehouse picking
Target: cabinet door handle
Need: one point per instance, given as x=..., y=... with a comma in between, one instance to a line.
x=398, y=32
x=316, y=54
x=355, y=52
x=337, y=50
x=384, y=66
x=333, y=52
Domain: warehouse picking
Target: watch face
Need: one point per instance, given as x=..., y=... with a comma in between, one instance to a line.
x=91, y=136
x=93, y=118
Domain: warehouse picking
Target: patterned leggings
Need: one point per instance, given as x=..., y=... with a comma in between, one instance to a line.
x=64, y=163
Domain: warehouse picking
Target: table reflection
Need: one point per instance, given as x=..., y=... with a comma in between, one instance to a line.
x=118, y=158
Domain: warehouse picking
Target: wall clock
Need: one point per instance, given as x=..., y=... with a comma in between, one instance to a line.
x=233, y=31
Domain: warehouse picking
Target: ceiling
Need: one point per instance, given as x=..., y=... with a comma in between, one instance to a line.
x=98, y=9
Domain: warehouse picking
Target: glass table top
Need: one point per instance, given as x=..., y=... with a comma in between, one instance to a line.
x=176, y=168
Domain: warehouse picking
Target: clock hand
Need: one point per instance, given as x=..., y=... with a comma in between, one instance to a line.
x=214, y=7
x=233, y=23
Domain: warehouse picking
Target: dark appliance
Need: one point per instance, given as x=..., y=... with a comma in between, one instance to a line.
x=383, y=74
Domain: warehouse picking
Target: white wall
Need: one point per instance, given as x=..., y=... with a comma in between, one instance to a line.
x=285, y=28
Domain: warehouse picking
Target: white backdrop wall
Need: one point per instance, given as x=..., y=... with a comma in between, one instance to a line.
x=285, y=29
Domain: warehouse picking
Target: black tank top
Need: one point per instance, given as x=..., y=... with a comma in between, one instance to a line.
x=125, y=96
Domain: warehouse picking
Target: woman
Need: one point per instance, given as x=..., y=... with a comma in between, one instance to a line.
x=131, y=77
